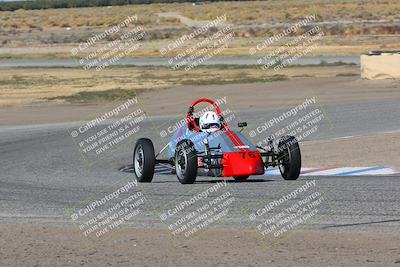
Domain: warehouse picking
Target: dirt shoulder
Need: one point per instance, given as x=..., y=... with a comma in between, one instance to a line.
x=25, y=86
x=35, y=245
x=240, y=97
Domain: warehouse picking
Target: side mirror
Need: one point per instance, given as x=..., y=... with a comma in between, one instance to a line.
x=242, y=124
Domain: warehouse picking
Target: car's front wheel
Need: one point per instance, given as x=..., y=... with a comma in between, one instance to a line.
x=289, y=158
x=144, y=160
x=186, y=162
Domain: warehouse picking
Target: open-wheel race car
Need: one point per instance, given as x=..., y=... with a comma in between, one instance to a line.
x=208, y=143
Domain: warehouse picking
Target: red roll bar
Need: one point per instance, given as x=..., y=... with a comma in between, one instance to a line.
x=190, y=118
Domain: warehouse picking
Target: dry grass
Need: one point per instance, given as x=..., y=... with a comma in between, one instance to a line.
x=28, y=28
x=24, y=86
x=237, y=12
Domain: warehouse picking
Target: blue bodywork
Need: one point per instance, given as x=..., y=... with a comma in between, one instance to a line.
x=214, y=139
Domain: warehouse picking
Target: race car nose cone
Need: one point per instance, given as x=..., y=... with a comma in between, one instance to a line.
x=242, y=163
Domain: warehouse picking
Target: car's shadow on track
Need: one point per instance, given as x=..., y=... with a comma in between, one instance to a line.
x=235, y=182
x=213, y=181
x=129, y=169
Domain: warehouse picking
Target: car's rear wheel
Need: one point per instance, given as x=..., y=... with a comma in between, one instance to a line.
x=186, y=162
x=289, y=158
x=144, y=160
x=240, y=178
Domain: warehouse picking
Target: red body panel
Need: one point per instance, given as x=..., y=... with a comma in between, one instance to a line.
x=242, y=164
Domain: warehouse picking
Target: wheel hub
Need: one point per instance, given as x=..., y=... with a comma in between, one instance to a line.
x=139, y=161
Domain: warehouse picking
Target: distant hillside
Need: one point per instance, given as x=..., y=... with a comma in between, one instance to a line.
x=45, y=4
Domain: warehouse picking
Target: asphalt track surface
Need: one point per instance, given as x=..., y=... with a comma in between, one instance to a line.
x=44, y=179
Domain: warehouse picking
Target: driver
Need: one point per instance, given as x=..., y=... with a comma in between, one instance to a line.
x=210, y=122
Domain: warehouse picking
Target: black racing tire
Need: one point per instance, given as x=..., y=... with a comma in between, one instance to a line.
x=289, y=157
x=240, y=178
x=186, y=162
x=144, y=160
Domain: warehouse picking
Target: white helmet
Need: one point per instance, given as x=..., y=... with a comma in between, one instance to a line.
x=209, y=122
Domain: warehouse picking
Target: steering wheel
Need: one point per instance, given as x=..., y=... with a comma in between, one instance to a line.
x=190, y=119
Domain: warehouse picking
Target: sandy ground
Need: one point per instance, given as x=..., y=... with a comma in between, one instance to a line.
x=47, y=245
x=253, y=96
x=24, y=86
